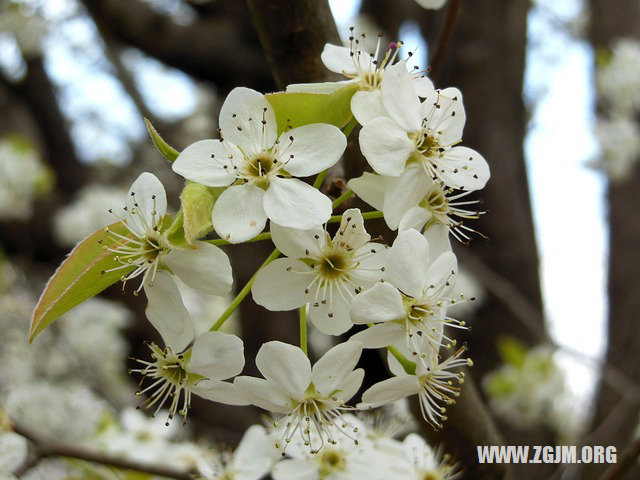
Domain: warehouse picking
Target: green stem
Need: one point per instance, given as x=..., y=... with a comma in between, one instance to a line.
x=365, y=216
x=243, y=293
x=320, y=178
x=303, y=328
x=342, y=198
x=257, y=238
x=350, y=126
x=408, y=365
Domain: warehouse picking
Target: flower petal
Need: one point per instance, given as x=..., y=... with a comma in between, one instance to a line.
x=416, y=218
x=295, y=243
x=264, y=394
x=463, y=168
x=370, y=188
x=399, y=98
x=167, y=313
x=404, y=193
x=295, y=469
x=351, y=384
x=333, y=368
x=438, y=237
x=338, y=59
x=389, y=391
x=445, y=115
x=286, y=366
x=238, y=215
x=322, y=87
x=208, y=162
x=292, y=203
x=366, y=106
x=351, y=235
x=281, y=286
x=205, y=268
x=217, y=355
x=380, y=303
x=381, y=335
x=241, y=118
x=314, y=148
x=331, y=319
x=386, y=146
x=408, y=262
x=221, y=392
x=146, y=204
x=443, y=271
x=423, y=86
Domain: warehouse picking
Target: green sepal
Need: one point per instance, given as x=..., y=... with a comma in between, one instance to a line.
x=194, y=218
x=163, y=147
x=294, y=109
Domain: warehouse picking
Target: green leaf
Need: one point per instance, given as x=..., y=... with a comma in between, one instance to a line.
x=163, y=147
x=301, y=108
x=512, y=351
x=79, y=277
x=197, y=204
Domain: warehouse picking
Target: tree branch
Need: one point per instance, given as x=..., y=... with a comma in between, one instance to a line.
x=626, y=460
x=440, y=53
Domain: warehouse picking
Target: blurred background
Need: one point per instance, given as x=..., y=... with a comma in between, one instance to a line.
x=552, y=94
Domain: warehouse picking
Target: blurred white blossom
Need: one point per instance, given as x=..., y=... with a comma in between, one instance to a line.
x=619, y=140
x=618, y=78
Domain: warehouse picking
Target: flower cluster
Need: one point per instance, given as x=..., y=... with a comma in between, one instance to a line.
x=330, y=268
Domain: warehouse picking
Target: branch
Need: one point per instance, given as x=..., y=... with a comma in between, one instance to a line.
x=626, y=460
x=45, y=448
x=453, y=13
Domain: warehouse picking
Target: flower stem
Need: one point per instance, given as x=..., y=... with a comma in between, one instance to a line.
x=243, y=293
x=320, y=178
x=342, y=198
x=365, y=216
x=408, y=365
x=349, y=127
x=257, y=238
x=303, y=328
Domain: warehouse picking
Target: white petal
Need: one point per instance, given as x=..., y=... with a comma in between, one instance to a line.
x=322, y=87
x=286, y=366
x=254, y=444
x=389, y=391
x=167, y=313
x=296, y=243
x=331, y=319
x=366, y=106
x=338, y=59
x=241, y=118
x=314, y=148
x=370, y=188
x=380, y=303
x=292, y=203
x=416, y=218
x=217, y=355
x=443, y=270
x=386, y=146
x=280, y=286
x=399, y=98
x=13, y=452
x=263, y=394
x=445, y=115
x=431, y=4
x=146, y=204
x=395, y=366
x=295, y=469
x=333, y=368
x=381, y=335
x=351, y=234
x=205, y=268
x=221, y=392
x=204, y=162
x=404, y=193
x=408, y=262
x=238, y=215
x=351, y=384
x=438, y=237
x=463, y=168
x=423, y=86
x=371, y=268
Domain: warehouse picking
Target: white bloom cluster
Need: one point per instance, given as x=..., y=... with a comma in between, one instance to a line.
x=618, y=90
x=22, y=178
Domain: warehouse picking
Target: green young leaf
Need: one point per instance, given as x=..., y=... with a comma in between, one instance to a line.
x=197, y=204
x=300, y=108
x=79, y=277
x=512, y=351
x=163, y=147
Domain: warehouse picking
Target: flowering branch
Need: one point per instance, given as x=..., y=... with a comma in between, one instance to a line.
x=45, y=448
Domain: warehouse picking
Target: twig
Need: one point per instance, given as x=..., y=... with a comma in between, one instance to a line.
x=626, y=460
x=437, y=59
x=45, y=448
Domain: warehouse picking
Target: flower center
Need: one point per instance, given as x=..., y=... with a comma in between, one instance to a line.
x=436, y=202
x=426, y=143
x=260, y=166
x=431, y=475
x=331, y=460
x=334, y=265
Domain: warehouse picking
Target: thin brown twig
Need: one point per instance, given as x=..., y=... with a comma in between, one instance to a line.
x=449, y=27
x=626, y=460
x=45, y=448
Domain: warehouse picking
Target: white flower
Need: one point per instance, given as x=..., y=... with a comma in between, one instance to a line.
x=423, y=133
x=13, y=452
x=414, y=200
x=425, y=463
x=87, y=213
x=310, y=399
x=431, y=4
x=432, y=381
x=410, y=306
x=205, y=267
x=176, y=374
x=367, y=71
x=618, y=80
x=252, y=459
x=325, y=272
x=619, y=140
x=258, y=166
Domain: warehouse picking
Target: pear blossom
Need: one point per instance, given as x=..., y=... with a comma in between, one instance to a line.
x=619, y=140
x=206, y=267
x=432, y=381
x=251, y=460
x=13, y=452
x=424, y=133
x=414, y=200
x=176, y=373
x=325, y=272
x=410, y=306
x=618, y=79
x=310, y=400
x=259, y=168
x=425, y=463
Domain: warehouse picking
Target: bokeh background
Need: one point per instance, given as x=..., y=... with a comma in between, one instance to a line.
x=552, y=94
